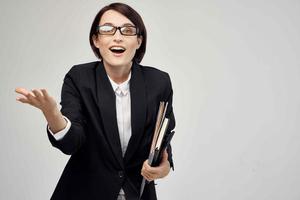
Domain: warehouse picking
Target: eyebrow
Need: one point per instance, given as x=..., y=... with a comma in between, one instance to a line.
x=111, y=24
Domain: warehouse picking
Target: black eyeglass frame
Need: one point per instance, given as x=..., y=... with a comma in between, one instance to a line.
x=118, y=28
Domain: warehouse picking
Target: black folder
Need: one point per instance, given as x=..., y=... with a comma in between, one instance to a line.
x=160, y=141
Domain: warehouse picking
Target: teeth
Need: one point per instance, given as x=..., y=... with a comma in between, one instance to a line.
x=117, y=48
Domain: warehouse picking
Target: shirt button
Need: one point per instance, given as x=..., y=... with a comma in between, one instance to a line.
x=121, y=174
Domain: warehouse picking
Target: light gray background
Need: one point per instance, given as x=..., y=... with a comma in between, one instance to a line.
x=235, y=69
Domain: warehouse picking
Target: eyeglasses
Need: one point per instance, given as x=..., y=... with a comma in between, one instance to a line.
x=111, y=30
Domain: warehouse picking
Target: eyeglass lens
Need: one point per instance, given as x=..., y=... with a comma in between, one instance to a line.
x=111, y=30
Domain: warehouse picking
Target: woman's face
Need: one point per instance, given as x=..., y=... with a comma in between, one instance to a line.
x=108, y=43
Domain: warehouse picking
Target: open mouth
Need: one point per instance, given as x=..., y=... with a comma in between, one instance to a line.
x=118, y=50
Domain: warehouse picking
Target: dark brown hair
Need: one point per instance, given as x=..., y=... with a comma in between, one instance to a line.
x=133, y=16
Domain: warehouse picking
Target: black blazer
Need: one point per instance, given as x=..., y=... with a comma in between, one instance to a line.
x=96, y=169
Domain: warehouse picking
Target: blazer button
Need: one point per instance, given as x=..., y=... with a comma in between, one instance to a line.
x=121, y=174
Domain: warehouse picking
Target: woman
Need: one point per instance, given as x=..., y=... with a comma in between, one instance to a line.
x=108, y=113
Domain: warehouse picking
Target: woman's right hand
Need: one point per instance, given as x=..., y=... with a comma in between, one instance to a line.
x=38, y=98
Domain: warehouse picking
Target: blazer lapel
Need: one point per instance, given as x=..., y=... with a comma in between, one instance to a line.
x=107, y=106
x=138, y=109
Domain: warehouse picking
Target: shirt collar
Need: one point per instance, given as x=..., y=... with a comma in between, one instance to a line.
x=122, y=88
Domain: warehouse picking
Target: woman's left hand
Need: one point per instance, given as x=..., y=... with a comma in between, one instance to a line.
x=152, y=173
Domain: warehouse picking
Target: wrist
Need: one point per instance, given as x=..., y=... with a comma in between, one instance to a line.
x=52, y=112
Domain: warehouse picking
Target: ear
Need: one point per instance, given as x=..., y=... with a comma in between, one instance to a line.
x=95, y=41
x=139, y=40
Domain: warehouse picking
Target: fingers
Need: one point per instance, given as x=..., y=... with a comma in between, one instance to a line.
x=152, y=173
x=30, y=97
x=45, y=93
x=22, y=91
x=147, y=177
x=22, y=99
x=148, y=172
x=38, y=98
x=144, y=172
x=37, y=93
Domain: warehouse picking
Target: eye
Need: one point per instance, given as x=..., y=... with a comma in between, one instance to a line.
x=106, y=29
x=129, y=30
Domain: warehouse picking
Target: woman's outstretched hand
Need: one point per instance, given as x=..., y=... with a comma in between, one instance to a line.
x=152, y=173
x=40, y=99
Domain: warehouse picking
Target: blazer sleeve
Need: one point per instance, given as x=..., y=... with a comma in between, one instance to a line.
x=170, y=115
x=73, y=109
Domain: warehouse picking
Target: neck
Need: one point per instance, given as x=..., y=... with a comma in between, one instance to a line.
x=118, y=74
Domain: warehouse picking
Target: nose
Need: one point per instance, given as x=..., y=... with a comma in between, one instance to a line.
x=118, y=37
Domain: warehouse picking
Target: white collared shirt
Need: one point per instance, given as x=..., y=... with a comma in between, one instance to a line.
x=123, y=108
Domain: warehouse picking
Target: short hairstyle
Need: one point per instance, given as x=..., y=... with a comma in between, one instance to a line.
x=133, y=16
